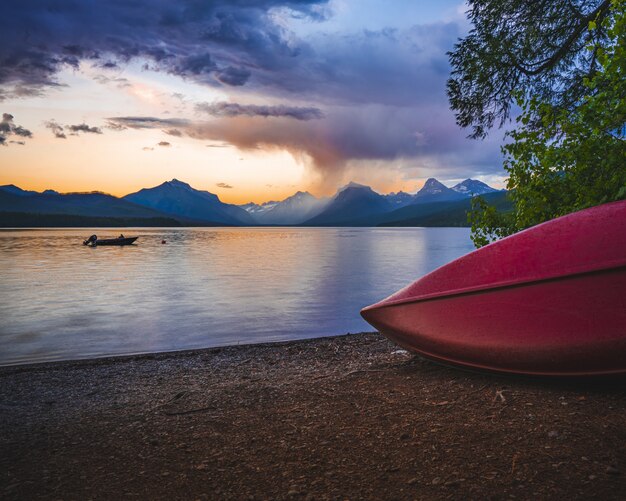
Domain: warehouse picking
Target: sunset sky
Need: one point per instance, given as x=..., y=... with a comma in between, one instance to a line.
x=251, y=100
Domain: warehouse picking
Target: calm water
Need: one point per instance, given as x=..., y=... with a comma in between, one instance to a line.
x=205, y=287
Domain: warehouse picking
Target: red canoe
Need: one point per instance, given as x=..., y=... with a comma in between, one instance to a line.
x=549, y=300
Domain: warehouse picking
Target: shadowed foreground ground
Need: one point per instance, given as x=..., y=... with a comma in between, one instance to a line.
x=349, y=417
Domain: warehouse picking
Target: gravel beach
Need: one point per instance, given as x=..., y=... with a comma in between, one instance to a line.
x=349, y=417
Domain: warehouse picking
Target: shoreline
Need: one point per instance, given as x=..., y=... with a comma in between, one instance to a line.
x=350, y=417
x=49, y=364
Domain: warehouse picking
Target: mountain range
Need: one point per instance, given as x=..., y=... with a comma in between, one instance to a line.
x=176, y=203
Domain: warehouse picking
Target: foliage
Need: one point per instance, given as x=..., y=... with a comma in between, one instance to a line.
x=488, y=223
x=566, y=157
x=533, y=47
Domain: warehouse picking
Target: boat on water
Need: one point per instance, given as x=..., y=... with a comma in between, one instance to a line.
x=94, y=241
x=550, y=300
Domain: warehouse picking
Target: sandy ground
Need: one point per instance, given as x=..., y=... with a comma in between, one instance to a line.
x=349, y=417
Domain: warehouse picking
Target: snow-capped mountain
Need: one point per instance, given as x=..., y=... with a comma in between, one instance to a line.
x=473, y=187
x=293, y=210
x=435, y=191
x=257, y=209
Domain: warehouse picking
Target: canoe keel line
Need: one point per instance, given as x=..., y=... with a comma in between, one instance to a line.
x=550, y=300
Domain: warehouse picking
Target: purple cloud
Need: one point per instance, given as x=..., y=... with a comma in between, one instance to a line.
x=223, y=109
x=217, y=42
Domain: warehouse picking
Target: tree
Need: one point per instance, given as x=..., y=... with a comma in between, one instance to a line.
x=564, y=63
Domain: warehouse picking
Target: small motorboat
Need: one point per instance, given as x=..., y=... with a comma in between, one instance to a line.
x=94, y=241
x=549, y=300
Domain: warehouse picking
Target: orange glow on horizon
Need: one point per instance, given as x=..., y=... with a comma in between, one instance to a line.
x=235, y=196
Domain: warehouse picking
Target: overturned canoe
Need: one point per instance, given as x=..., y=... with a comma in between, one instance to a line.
x=549, y=300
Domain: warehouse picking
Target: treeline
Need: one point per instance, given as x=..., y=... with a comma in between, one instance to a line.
x=28, y=220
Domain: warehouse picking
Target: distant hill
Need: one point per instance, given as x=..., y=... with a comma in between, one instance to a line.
x=443, y=213
x=33, y=220
x=15, y=190
x=80, y=204
x=179, y=199
x=400, y=199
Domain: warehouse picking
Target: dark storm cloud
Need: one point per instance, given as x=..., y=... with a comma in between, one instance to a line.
x=224, y=185
x=216, y=41
x=196, y=65
x=233, y=76
x=173, y=132
x=8, y=128
x=223, y=109
x=389, y=67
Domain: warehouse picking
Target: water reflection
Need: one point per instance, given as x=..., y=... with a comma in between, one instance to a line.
x=205, y=287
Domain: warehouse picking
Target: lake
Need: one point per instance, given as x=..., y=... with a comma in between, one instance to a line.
x=205, y=287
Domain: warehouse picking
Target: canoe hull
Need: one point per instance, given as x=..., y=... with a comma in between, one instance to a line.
x=550, y=300
x=580, y=331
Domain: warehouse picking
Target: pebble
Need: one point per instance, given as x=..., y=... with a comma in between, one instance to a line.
x=413, y=481
x=612, y=470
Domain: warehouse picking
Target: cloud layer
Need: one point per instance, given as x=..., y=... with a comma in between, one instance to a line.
x=330, y=99
x=216, y=41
